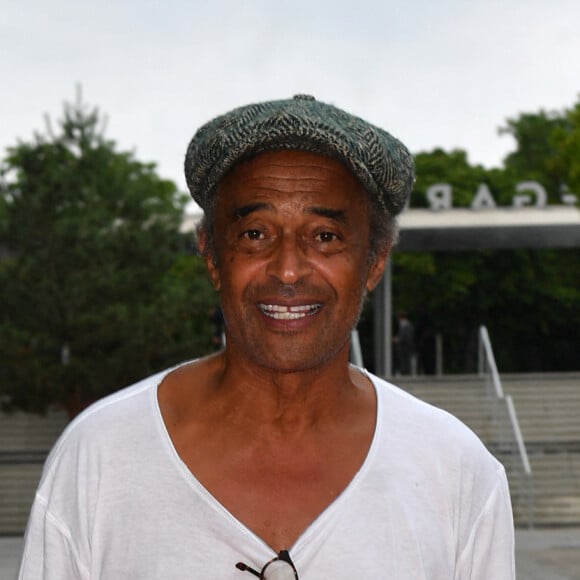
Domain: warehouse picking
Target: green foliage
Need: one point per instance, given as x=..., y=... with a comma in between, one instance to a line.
x=94, y=275
x=538, y=156
x=442, y=167
x=566, y=139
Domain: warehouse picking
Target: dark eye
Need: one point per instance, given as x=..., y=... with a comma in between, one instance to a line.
x=253, y=235
x=326, y=237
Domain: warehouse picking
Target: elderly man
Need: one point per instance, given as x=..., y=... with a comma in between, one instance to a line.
x=275, y=457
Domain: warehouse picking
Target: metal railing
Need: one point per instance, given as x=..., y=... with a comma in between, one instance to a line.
x=508, y=445
x=356, y=356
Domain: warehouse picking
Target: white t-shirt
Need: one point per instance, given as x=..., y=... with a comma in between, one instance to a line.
x=116, y=502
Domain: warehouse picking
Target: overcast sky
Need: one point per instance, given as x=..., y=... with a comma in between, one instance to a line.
x=435, y=73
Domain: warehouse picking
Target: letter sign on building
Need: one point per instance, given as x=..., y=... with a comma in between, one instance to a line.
x=521, y=200
x=483, y=198
x=439, y=196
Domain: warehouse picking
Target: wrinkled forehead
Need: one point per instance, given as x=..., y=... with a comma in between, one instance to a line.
x=291, y=174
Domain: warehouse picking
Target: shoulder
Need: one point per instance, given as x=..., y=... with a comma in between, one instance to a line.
x=396, y=402
x=438, y=453
x=425, y=429
x=113, y=421
x=122, y=401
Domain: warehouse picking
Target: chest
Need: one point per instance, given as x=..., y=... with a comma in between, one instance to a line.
x=277, y=495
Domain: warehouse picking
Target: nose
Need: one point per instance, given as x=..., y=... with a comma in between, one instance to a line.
x=289, y=262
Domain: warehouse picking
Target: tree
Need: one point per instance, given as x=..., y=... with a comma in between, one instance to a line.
x=545, y=148
x=565, y=138
x=92, y=266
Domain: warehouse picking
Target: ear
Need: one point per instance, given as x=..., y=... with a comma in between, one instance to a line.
x=209, y=259
x=377, y=269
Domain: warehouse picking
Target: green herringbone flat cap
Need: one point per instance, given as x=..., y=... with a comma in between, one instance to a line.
x=381, y=163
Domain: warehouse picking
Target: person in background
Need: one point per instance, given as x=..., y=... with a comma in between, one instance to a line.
x=404, y=343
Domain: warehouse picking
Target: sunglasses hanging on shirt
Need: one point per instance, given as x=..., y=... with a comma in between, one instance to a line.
x=279, y=568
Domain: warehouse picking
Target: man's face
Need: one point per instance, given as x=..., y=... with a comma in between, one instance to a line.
x=292, y=267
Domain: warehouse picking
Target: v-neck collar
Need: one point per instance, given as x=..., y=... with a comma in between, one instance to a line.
x=318, y=524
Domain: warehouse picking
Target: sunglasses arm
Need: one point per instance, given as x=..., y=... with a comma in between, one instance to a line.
x=246, y=568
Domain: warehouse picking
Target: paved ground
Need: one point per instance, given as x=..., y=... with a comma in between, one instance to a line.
x=540, y=555
x=10, y=550
x=548, y=554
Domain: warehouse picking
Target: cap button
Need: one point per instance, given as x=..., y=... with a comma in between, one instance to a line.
x=303, y=98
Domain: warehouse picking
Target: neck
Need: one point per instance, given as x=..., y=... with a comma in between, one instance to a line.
x=289, y=400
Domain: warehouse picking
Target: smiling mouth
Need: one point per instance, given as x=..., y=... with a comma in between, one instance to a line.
x=280, y=312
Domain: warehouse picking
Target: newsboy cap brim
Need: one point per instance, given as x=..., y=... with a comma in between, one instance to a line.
x=380, y=162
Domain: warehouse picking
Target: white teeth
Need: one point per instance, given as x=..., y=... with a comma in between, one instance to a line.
x=280, y=312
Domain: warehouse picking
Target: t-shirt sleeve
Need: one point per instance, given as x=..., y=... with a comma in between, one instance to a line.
x=489, y=550
x=48, y=550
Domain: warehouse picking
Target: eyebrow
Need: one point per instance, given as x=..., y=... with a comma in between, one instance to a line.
x=337, y=215
x=246, y=210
